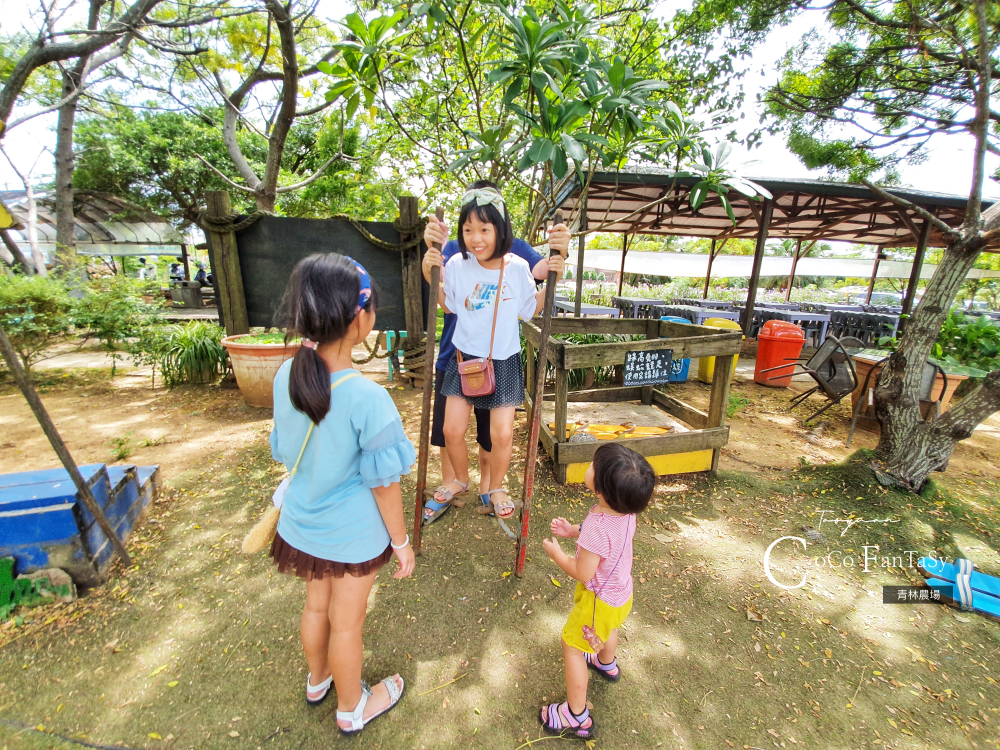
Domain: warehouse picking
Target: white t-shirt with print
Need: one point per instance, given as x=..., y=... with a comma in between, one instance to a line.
x=469, y=291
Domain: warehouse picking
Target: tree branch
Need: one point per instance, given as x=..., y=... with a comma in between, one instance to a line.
x=229, y=182
x=946, y=231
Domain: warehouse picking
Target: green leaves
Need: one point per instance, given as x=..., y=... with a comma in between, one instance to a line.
x=364, y=53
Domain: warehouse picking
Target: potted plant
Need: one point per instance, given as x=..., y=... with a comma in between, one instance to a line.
x=256, y=358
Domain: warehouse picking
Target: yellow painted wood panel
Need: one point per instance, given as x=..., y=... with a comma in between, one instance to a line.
x=672, y=463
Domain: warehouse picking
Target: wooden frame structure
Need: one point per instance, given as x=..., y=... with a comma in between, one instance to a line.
x=651, y=200
x=681, y=452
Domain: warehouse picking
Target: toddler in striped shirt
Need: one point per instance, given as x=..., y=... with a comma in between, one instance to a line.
x=623, y=482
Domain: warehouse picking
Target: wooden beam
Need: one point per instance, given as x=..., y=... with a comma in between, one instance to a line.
x=562, y=388
x=225, y=259
x=718, y=400
x=413, y=305
x=654, y=445
x=758, y=258
x=603, y=395
x=602, y=355
x=684, y=412
x=918, y=264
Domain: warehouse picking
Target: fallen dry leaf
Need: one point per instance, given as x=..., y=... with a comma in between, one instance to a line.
x=751, y=615
x=555, y=582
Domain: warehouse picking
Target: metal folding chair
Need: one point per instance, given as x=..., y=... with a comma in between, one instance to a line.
x=832, y=368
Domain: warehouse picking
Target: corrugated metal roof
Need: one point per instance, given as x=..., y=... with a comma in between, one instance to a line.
x=101, y=219
x=803, y=209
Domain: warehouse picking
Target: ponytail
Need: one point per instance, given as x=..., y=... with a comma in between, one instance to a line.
x=320, y=304
x=309, y=384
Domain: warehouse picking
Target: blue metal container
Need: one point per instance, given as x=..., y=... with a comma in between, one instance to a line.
x=678, y=367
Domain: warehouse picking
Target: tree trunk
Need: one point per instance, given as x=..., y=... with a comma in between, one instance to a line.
x=32, y=229
x=65, y=163
x=909, y=449
x=15, y=252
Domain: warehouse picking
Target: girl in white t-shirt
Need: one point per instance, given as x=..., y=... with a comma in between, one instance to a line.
x=469, y=289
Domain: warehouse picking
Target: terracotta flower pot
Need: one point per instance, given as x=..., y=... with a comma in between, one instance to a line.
x=255, y=366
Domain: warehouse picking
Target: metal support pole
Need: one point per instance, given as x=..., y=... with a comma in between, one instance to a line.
x=879, y=257
x=425, y=413
x=708, y=274
x=621, y=275
x=918, y=264
x=791, y=276
x=758, y=258
x=537, y=402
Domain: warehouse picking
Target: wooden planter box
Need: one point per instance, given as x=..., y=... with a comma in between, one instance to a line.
x=927, y=401
x=697, y=449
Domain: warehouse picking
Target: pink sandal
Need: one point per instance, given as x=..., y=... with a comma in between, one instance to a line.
x=558, y=719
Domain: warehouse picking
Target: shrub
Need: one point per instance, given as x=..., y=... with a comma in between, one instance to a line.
x=35, y=313
x=193, y=353
x=114, y=312
x=969, y=340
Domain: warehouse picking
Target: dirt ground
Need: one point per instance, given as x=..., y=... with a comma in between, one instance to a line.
x=197, y=645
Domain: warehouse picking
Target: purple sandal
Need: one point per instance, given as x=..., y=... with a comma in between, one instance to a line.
x=609, y=672
x=558, y=719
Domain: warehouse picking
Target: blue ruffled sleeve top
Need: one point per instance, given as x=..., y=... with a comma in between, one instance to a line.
x=329, y=510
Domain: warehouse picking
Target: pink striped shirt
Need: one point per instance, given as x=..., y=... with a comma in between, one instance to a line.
x=610, y=538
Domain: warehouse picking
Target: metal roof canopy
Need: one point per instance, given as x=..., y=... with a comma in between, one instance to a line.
x=653, y=200
x=802, y=209
x=105, y=224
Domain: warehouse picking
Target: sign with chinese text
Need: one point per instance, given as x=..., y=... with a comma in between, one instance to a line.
x=648, y=368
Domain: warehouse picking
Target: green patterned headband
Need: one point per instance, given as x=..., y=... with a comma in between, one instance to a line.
x=485, y=197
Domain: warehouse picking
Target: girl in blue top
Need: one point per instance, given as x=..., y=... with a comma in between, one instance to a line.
x=342, y=512
x=469, y=288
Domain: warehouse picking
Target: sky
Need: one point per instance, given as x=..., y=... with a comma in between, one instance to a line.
x=948, y=168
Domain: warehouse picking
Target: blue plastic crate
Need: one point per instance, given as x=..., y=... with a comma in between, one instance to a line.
x=678, y=367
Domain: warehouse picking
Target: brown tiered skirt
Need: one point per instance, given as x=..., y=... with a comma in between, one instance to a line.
x=305, y=566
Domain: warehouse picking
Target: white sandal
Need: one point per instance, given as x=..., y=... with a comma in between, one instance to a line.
x=324, y=686
x=356, y=717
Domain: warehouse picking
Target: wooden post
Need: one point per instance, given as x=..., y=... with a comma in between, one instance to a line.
x=718, y=400
x=758, y=258
x=425, y=413
x=409, y=216
x=187, y=262
x=621, y=274
x=579, y=261
x=879, y=257
x=918, y=264
x=652, y=332
x=531, y=453
x=225, y=261
x=14, y=366
x=562, y=394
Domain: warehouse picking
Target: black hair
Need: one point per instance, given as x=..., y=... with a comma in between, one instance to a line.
x=487, y=214
x=319, y=304
x=623, y=478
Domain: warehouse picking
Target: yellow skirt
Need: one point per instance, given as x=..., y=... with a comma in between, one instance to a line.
x=604, y=618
